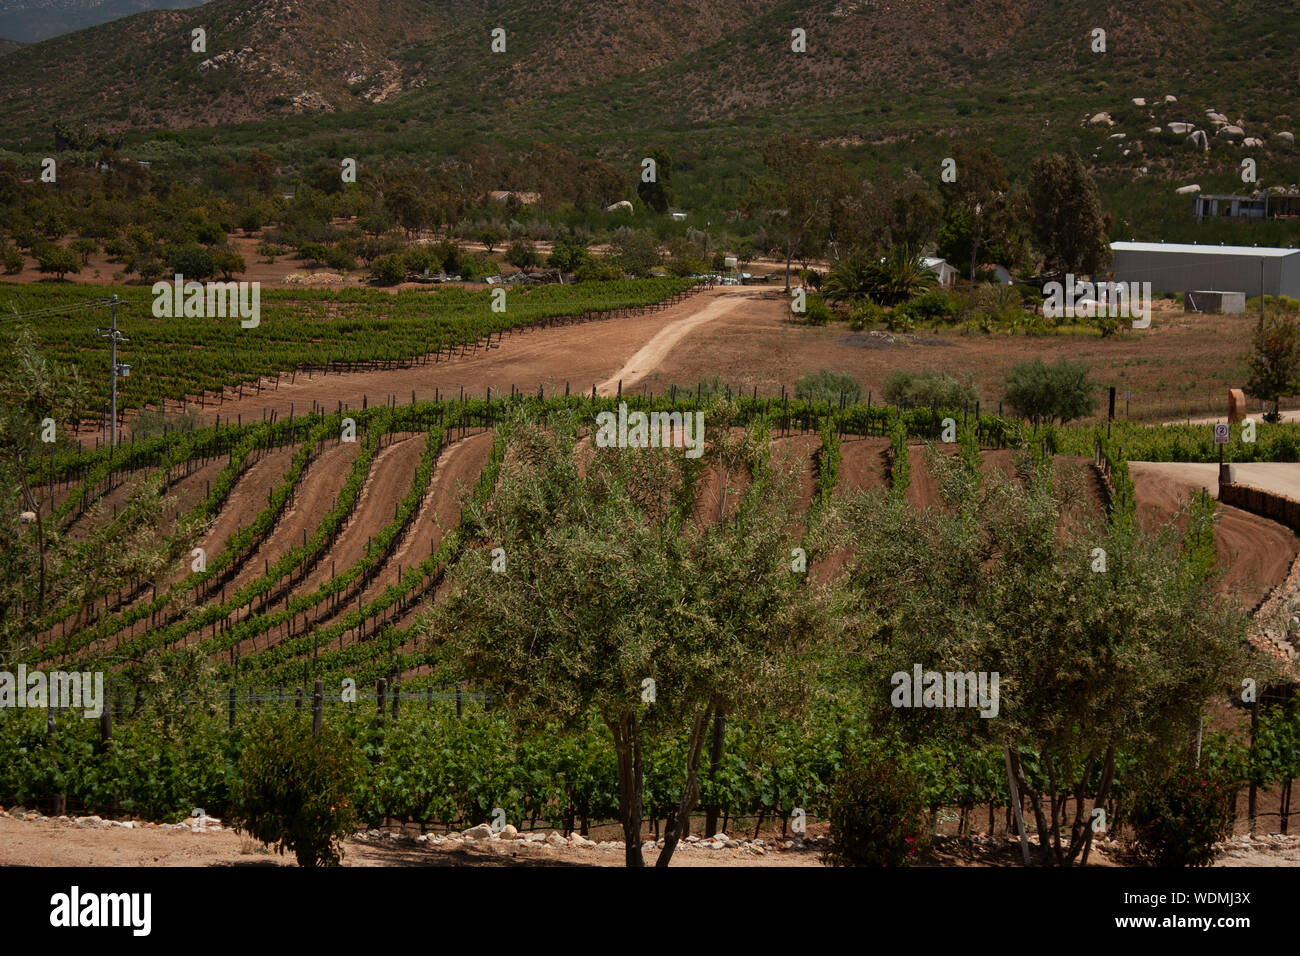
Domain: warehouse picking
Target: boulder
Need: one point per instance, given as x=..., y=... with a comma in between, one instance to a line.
x=1188, y=190
x=1154, y=129
x=555, y=839
x=480, y=832
x=1218, y=119
x=1286, y=137
x=1198, y=139
x=1139, y=101
x=1170, y=98
x=1180, y=129
x=508, y=832
x=1232, y=134
x=621, y=206
x=1252, y=141
x=1119, y=135
x=1101, y=119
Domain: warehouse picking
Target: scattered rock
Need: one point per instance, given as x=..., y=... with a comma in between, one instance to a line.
x=1188, y=190
x=1170, y=98
x=1218, y=119
x=555, y=839
x=1154, y=129
x=1286, y=137
x=1139, y=101
x=1252, y=141
x=1101, y=119
x=1232, y=134
x=480, y=832
x=1119, y=135
x=1180, y=129
x=1198, y=139
x=508, y=832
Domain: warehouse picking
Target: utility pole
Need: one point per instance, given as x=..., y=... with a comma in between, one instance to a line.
x=114, y=370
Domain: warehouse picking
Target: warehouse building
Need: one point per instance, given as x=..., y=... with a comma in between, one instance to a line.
x=1180, y=267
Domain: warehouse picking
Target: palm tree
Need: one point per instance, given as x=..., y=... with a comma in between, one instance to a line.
x=895, y=277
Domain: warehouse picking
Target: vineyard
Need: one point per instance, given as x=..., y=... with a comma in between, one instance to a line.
x=322, y=557
x=300, y=331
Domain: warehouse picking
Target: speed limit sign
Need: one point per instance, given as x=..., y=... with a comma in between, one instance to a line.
x=1221, y=434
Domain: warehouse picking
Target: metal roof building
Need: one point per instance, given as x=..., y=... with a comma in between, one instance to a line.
x=1183, y=267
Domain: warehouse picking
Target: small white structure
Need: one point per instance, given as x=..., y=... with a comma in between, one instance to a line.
x=940, y=267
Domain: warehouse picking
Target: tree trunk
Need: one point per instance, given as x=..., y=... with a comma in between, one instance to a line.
x=1044, y=848
x=1103, y=793
x=627, y=747
x=690, y=793
x=715, y=759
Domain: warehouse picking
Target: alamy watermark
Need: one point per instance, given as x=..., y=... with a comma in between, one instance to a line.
x=64, y=690
x=655, y=430
x=213, y=300
x=1083, y=300
x=946, y=689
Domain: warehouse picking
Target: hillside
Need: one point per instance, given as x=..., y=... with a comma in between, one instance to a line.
x=31, y=20
x=683, y=61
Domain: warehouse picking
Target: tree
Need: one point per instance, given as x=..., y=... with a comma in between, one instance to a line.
x=523, y=254
x=85, y=248
x=637, y=251
x=1060, y=392
x=1274, y=365
x=658, y=194
x=57, y=260
x=228, y=262
x=1094, y=670
x=492, y=235
x=794, y=196
x=568, y=255
x=978, y=196
x=1065, y=215
x=675, y=607
x=192, y=261
x=898, y=275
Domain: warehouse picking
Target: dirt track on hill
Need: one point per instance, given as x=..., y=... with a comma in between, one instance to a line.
x=1257, y=553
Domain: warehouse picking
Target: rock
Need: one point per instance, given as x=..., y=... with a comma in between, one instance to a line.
x=1188, y=190
x=1154, y=129
x=422, y=838
x=508, y=832
x=577, y=839
x=692, y=839
x=1139, y=101
x=731, y=844
x=1198, y=139
x=1231, y=133
x=1252, y=141
x=1101, y=119
x=535, y=837
x=480, y=832
x=1218, y=119
x=1180, y=129
x=1119, y=135
x=555, y=839
x=1170, y=98
x=1286, y=137
x=91, y=821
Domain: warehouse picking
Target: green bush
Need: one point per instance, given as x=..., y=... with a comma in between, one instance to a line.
x=877, y=814
x=827, y=386
x=926, y=389
x=866, y=315
x=389, y=269
x=1060, y=392
x=817, y=312
x=297, y=790
x=191, y=260
x=933, y=306
x=1178, y=820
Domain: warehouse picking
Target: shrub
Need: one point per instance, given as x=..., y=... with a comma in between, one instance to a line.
x=866, y=315
x=938, y=389
x=934, y=306
x=1060, y=392
x=523, y=254
x=826, y=385
x=475, y=267
x=816, y=311
x=877, y=814
x=311, y=253
x=389, y=269
x=57, y=260
x=1178, y=820
x=339, y=260
x=297, y=790
x=421, y=259
x=13, y=261
x=228, y=262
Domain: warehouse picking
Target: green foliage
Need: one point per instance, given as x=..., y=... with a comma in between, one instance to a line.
x=297, y=790
x=1274, y=362
x=228, y=262
x=1060, y=392
x=877, y=815
x=1177, y=820
x=523, y=255
x=827, y=386
x=57, y=260
x=1065, y=215
x=389, y=269
x=929, y=389
x=191, y=261
x=816, y=311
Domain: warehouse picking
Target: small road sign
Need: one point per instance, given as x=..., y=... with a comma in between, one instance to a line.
x=1221, y=433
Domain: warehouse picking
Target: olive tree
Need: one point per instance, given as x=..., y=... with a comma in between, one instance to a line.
x=609, y=580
